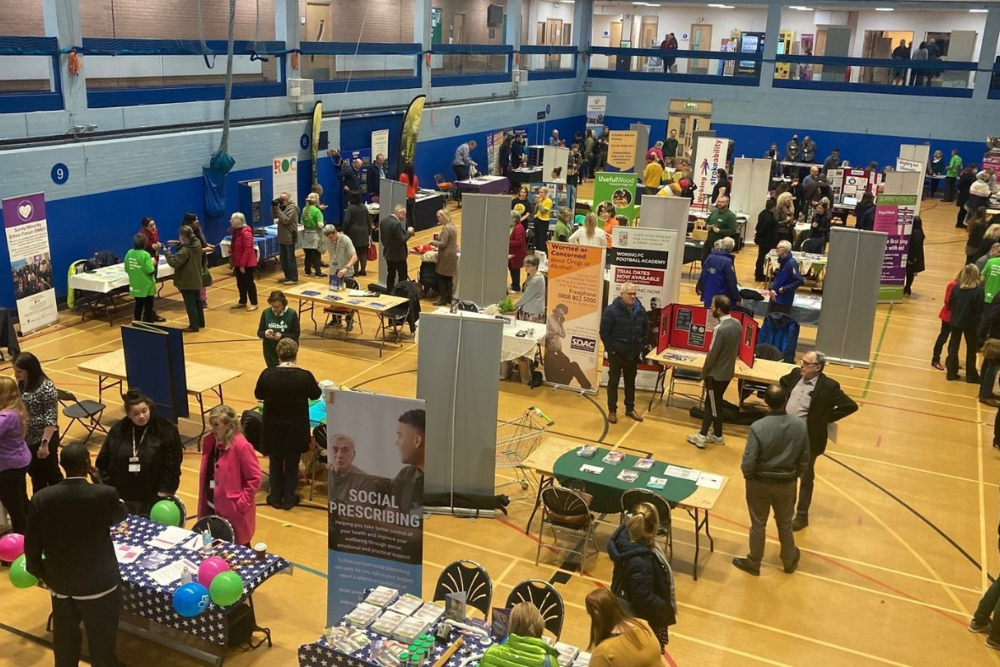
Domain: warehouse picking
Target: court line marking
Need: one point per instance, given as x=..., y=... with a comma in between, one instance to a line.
x=982, y=500
x=912, y=468
x=727, y=649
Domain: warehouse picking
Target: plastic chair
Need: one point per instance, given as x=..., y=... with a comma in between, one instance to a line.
x=78, y=411
x=447, y=188
x=566, y=510
x=180, y=505
x=469, y=577
x=218, y=527
x=633, y=497
x=352, y=314
x=546, y=599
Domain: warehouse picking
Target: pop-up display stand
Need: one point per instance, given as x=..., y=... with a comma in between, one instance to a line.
x=483, y=265
x=684, y=327
x=751, y=184
x=154, y=363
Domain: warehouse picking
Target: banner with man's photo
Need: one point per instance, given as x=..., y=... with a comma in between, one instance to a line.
x=614, y=194
x=573, y=327
x=375, y=454
x=30, y=261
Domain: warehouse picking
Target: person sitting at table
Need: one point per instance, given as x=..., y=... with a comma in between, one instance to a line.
x=523, y=206
x=616, y=637
x=141, y=456
x=641, y=573
x=343, y=256
x=523, y=646
x=230, y=474
x=785, y=281
x=276, y=323
x=517, y=250
x=68, y=545
x=531, y=305
x=447, y=263
x=141, y=279
x=286, y=391
x=718, y=274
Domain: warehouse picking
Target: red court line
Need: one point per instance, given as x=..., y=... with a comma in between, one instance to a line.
x=920, y=412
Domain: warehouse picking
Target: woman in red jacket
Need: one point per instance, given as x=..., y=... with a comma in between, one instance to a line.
x=230, y=475
x=945, y=317
x=243, y=253
x=409, y=179
x=516, y=251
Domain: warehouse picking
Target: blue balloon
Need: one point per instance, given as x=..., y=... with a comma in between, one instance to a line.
x=191, y=599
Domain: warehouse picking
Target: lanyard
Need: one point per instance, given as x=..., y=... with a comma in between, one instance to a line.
x=136, y=445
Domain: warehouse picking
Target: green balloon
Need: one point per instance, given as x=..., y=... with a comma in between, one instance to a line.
x=166, y=512
x=226, y=589
x=19, y=575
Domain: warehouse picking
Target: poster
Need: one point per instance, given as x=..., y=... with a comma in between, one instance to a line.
x=376, y=491
x=614, y=194
x=710, y=156
x=30, y=261
x=380, y=143
x=853, y=185
x=285, y=173
x=493, y=142
x=894, y=216
x=575, y=286
x=639, y=256
x=909, y=165
x=621, y=150
x=596, y=107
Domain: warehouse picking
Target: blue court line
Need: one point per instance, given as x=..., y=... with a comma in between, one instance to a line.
x=309, y=570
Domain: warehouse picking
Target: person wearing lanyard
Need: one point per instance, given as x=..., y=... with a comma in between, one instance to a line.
x=230, y=474
x=141, y=457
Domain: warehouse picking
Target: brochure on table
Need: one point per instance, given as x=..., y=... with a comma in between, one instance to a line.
x=690, y=328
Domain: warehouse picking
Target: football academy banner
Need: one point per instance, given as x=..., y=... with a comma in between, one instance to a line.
x=376, y=490
x=575, y=286
x=614, y=195
x=894, y=215
x=30, y=262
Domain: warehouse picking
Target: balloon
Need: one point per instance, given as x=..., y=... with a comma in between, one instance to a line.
x=166, y=512
x=211, y=567
x=190, y=600
x=19, y=575
x=11, y=546
x=226, y=589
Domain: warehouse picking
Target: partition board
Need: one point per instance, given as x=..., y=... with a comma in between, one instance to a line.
x=751, y=185
x=641, y=146
x=669, y=213
x=850, y=295
x=484, y=242
x=458, y=375
x=391, y=194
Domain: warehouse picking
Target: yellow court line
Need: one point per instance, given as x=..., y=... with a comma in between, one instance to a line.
x=900, y=465
x=727, y=649
x=984, y=582
x=627, y=433
x=500, y=579
x=347, y=382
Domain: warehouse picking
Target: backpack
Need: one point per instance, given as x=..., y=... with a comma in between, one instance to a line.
x=104, y=258
x=253, y=429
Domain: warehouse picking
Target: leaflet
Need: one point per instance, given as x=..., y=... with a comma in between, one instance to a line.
x=710, y=481
x=682, y=473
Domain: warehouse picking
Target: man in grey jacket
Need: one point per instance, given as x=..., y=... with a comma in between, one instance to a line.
x=718, y=371
x=394, y=237
x=286, y=213
x=777, y=454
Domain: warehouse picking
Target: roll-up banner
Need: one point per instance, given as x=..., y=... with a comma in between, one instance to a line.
x=30, y=262
x=411, y=131
x=576, y=283
x=894, y=215
x=614, y=194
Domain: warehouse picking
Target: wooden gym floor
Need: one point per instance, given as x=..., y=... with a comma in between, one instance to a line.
x=903, y=525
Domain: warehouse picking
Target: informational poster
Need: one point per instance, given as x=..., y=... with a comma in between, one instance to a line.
x=596, y=107
x=285, y=173
x=710, y=156
x=380, y=143
x=575, y=287
x=30, y=262
x=376, y=447
x=614, y=194
x=908, y=165
x=640, y=256
x=685, y=327
x=894, y=216
x=621, y=150
x=854, y=183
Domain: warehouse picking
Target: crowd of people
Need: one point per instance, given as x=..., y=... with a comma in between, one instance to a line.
x=32, y=277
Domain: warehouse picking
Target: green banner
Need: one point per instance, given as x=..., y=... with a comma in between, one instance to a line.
x=614, y=194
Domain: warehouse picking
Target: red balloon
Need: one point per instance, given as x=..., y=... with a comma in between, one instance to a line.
x=11, y=547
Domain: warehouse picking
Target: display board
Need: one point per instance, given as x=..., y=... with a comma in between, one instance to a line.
x=621, y=150
x=614, y=194
x=669, y=213
x=575, y=287
x=285, y=178
x=690, y=327
x=483, y=235
x=710, y=156
x=377, y=446
x=853, y=183
x=596, y=107
x=27, y=231
x=751, y=185
x=894, y=216
x=641, y=146
x=380, y=144
x=155, y=365
x=642, y=257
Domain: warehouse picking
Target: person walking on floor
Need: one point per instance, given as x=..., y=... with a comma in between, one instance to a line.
x=819, y=401
x=776, y=455
x=625, y=336
x=141, y=279
x=243, y=253
x=717, y=373
x=186, y=263
x=966, y=304
x=447, y=262
x=286, y=212
x=68, y=546
x=357, y=227
x=394, y=238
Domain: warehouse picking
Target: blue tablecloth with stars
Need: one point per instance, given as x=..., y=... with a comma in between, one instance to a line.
x=321, y=654
x=144, y=597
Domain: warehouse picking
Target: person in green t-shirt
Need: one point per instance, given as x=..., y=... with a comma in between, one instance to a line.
x=141, y=279
x=721, y=223
x=954, y=166
x=991, y=279
x=312, y=236
x=562, y=231
x=277, y=322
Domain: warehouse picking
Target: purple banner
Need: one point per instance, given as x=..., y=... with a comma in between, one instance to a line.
x=27, y=234
x=894, y=216
x=22, y=210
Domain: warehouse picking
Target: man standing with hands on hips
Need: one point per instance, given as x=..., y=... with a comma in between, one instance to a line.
x=625, y=335
x=819, y=401
x=718, y=372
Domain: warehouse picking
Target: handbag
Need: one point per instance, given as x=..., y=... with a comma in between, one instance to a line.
x=372, y=252
x=991, y=349
x=206, y=276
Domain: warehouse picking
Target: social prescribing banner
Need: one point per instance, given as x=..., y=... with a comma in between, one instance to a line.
x=30, y=261
x=614, y=195
x=376, y=447
x=575, y=286
x=894, y=215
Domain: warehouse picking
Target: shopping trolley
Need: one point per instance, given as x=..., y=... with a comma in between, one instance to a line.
x=516, y=439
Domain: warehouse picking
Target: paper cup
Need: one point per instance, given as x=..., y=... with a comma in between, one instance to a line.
x=261, y=550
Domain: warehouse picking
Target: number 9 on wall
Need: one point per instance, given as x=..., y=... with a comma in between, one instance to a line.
x=60, y=173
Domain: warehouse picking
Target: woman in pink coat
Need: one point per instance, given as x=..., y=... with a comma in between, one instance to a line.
x=230, y=475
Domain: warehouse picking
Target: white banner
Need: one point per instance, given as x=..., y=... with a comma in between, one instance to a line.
x=285, y=171
x=596, y=106
x=380, y=145
x=30, y=262
x=710, y=156
x=908, y=165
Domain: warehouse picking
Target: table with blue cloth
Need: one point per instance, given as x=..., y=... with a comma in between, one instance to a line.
x=267, y=245
x=144, y=597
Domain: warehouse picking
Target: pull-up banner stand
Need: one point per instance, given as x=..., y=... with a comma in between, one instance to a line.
x=575, y=287
x=482, y=268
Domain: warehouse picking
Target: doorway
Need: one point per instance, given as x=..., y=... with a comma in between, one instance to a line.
x=615, y=42
x=648, y=30
x=701, y=40
x=458, y=29
x=688, y=117
x=880, y=44
x=553, y=37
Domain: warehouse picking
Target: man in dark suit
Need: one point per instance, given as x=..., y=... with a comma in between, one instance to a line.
x=350, y=175
x=376, y=172
x=819, y=401
x=70, y=523
x=394, y=237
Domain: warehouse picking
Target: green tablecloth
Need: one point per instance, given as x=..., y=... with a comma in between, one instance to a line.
x=317, y=412
x=607, y=489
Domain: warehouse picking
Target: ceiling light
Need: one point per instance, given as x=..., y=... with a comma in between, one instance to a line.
x=884, y=9
x=978, y=11
x=717, y=6
x=800, y=8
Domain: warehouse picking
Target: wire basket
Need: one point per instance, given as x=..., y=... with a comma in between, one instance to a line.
x=516, y=439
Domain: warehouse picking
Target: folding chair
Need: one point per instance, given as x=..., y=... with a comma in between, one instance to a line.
x=218, y=527
x=470, y=578
x=633, y=497
x=447, y=188
x=748, y=388
x=352, y=315
x=546, y=599
x=690, y=378
x=87, y=413
x=566, y=510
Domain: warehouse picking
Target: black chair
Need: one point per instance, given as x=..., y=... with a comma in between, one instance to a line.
x=469, y=577
x=180, y=506
x=633, y=497
x=566, y=510
x=746, y=387
x=79, y=411
x=218, y=527
x=318, y=457
x=546, y=599
x=352, y=315
x=689, y=378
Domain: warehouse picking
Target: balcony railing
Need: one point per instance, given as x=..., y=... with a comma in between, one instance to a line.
x=737, y=69
x=938, y=78
x=29, y=75
x=470, y=64
x=548, y=62
x=336, y=67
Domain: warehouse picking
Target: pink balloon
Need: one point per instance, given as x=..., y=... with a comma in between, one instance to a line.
x=210, y=567
x=11, y=547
